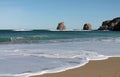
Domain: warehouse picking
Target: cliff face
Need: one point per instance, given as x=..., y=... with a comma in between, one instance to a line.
x=61, y=26
x=111, y=25
x=87, y=27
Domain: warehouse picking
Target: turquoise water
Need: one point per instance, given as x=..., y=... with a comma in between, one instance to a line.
x=36, y=36
x=23, y=53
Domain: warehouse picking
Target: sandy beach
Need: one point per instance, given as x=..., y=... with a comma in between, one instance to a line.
x=100, y=68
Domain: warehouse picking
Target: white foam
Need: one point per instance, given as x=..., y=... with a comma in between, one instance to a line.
x=14, y=75
x=117, y=39
x=47, y=54
x=75, y=50
x=55, y=70
x=101, y=57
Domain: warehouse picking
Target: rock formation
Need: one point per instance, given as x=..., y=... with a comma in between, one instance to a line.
x=61, y=26
x=111, y=24
x=87, y=27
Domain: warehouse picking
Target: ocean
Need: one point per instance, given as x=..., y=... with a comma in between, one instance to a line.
x=24, y=53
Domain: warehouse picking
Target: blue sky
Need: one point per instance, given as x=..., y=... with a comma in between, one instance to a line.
x=46, y=14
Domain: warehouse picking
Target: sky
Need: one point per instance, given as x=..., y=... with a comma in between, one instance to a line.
x=46, y=14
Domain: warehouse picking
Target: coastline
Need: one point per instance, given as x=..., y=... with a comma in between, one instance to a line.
x=108, y=67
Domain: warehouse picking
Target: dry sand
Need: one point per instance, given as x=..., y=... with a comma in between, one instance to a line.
x=100, y=68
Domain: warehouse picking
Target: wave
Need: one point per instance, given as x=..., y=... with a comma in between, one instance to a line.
x=46, y=54
x=32, y=39
x=73, y=58
x=47, y=39
x=67, y=68
x=117, y=39
x=82, y=58
x=50, y=71
x=15, y=75
x=36, y=36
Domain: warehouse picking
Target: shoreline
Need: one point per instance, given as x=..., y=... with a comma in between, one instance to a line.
x=108, y=60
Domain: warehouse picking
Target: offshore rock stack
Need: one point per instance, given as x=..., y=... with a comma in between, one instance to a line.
x=61, y=26
x=87, y=26
x=113, y=25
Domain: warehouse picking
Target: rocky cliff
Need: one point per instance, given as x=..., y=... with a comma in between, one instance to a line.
x=111, y=25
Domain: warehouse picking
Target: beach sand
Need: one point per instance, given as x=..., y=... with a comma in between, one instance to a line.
x=99, y=68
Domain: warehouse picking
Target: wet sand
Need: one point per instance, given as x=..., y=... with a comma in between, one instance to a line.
x=99, y=68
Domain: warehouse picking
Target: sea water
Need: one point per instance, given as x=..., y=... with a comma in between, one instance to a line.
x=24, y=53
